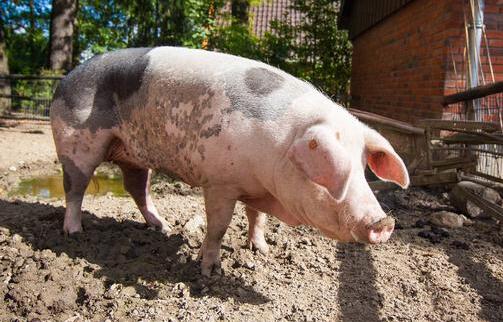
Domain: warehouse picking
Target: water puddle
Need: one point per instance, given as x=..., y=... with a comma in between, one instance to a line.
x=52, y=186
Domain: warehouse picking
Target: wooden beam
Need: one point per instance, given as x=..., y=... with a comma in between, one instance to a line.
x=486, y=176
x=490, y=208
x=451, y=161
x=470, y=149
x=473, y=93
x=459, y=125
x=396, y=125
x=465, y=138
x=417, y=181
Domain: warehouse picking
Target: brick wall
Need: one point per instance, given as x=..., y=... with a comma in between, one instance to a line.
x=403, y=66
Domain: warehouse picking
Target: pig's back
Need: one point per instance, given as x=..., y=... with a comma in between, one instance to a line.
x=188, y=112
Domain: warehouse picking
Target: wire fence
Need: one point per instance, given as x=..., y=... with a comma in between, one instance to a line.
x=485, y=143
x=27, y=96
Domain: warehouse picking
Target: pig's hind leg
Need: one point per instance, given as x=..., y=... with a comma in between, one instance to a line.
x=137, y=183
x=256, y=226
x=79, y=156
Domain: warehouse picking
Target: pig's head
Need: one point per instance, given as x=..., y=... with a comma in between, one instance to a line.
x=326, y=186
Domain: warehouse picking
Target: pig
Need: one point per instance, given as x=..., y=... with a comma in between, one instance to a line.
x=240, y=129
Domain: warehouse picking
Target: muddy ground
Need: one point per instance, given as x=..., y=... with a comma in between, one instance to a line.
x=118, y=270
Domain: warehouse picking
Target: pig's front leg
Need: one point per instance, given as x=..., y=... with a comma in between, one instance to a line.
x=219, y=210
x=256, y=225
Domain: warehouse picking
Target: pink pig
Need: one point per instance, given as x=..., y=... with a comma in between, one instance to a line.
x=240, y=129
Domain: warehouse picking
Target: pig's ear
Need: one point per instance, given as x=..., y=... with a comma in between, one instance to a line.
x=384, y=161
x=320, y=156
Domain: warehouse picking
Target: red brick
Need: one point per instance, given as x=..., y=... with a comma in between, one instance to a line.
x=403, y=67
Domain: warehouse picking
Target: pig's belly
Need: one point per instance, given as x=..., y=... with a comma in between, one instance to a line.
x=147, y=149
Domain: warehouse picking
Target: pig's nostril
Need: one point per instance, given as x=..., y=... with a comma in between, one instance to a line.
x=384, y=223
x=380, y=231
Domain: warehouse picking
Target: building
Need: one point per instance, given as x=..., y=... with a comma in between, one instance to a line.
x=409, y=54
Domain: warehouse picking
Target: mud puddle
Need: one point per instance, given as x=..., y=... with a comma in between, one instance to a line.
x=51, y=186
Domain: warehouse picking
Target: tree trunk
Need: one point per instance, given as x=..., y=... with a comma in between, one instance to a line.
x=4, y=70
x=239, y=11
x=62, y=24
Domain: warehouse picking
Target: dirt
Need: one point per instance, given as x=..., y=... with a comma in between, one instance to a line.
x=121, y=271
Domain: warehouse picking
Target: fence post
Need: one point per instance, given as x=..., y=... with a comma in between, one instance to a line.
x=5, y=90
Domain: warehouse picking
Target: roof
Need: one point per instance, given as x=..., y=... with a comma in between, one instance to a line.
x=267, y=11
x=360, y=15
x=263, y=14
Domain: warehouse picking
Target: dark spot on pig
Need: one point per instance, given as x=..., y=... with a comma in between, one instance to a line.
x=313, y=144
x=229, y=147
x=261, y=93
x=201, y=151
x=211, y=131
x=105, y=86
x=261, y=81
x=73, y=177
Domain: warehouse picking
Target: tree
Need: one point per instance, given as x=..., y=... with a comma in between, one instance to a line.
x=239, y=11
x=26, y=25
x=4, y=70
x=61, y=38
x=315, y=49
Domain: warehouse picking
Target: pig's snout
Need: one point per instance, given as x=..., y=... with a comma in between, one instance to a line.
x=377, y=232
x=380, y=231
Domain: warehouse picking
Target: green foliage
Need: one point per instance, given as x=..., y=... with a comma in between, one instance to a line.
x=314, y=50
x=25, y=26
x=39, y=90
x=237, y=40
x=100, y=26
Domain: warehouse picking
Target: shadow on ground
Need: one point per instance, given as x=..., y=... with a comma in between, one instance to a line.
x=125, y=252
x=357, y=293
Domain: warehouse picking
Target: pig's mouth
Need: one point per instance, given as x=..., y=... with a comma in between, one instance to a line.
x=375, y=233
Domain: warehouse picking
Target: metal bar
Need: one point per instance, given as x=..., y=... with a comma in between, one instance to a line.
x=474, y=93
x=26, y=98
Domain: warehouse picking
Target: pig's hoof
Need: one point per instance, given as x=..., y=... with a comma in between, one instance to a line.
x=165, y=229
x=258, y=244
x=72, y=228
x=210, y=262
x=159, y=224
x=208, y=268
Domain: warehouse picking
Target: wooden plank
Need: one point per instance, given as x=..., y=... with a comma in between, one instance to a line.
x=397, y=125
x=492, y=185
x=468, y=165
x=417, y=181
x=459, y=125
x=470, y=149
x=490, y=208
x=464, y=138
x=451, y=161
x=486, y=176
x=474, y=93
